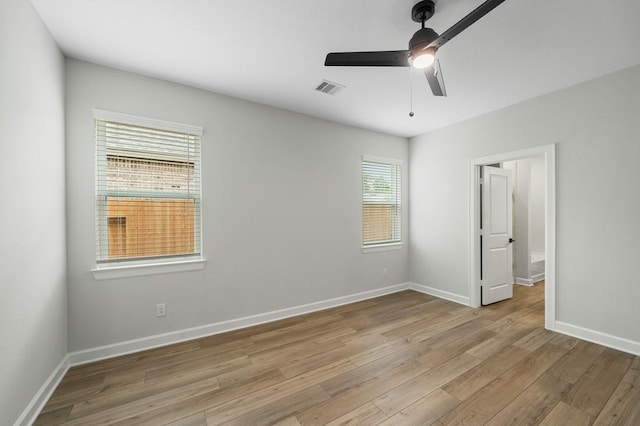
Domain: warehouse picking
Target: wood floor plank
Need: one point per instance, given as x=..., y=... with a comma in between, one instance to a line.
x=244, y=404
x=387, y=346
x=534, y=403
x=404, y=358
x=376, y=326
x=591, y=392
x=280, y=409
x=115, y=396
x=131, y=408
x=495, y=344
x=293, y=351
x=474, y=379
x=568, y=342
x=366, y=414
x=289, y=421
x=439, y=355
x=516, y=319
x=431, y=313
x=623, y=408
x=425, y=411
x=53, y=417
x=354, y=350
x=145, y=364
x=360, y=374
x=170, y=412
x=117, y=363
x=203, y=366
x=564, y=414
x=300, y=331
x=401, y=316
x=355, y=393
x=406, y=394
x=489, y=400
x=574, y=364
x=392, y=303
x=68, y=393
x=197, y=419
x=440, y=328
x=250, y=373
x=535, y=339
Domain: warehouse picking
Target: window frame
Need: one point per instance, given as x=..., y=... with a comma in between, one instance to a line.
x=124, y=268
x=390, y=245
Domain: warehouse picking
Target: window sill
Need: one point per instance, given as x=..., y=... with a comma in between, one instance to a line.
x=382, y=247
x=126, y=271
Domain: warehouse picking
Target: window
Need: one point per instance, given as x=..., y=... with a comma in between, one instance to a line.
x=147, y=190
x=381, y=201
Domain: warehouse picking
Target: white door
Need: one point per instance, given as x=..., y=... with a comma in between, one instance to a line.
x=497, y=233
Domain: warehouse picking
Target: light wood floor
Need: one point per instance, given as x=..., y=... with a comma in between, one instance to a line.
x=402, y=359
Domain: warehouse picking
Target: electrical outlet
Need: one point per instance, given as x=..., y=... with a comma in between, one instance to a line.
x=385, y=272
x=161, y=310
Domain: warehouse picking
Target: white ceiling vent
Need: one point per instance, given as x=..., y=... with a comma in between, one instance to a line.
x=329, y=87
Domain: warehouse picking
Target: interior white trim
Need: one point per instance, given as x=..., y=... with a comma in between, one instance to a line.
x=158, y=340
x=378, y=159
x=31, y=412
x=104, y=115
x=548, y=152
x=110, y=271
x=598, y=337
x=382, y=247
x=463, y=300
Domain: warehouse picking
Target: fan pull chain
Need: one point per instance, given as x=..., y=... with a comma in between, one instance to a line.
x=411, y=92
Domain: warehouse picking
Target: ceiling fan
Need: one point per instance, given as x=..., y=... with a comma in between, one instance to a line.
x=422, y=47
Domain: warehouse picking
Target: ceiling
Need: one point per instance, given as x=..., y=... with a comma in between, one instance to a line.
x=272, y=51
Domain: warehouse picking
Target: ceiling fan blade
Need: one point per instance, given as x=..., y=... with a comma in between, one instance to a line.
x=465, y=22
x=434, y=77
x=390, y=58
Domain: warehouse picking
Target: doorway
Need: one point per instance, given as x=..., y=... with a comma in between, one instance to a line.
x=547, y=153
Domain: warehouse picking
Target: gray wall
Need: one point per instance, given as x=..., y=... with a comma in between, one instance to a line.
x=597, y=131
x=528, y=212
x=281, y=211
x=33, y=297
x=536, y=205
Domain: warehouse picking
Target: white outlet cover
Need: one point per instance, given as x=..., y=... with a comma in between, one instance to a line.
x=161, y=310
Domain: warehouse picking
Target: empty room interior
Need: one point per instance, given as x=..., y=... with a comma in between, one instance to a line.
x=368, y=212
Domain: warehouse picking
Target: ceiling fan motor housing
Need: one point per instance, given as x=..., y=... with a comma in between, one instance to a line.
x=421, y=39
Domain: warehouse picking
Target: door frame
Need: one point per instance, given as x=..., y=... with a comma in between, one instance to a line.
x=548, y=152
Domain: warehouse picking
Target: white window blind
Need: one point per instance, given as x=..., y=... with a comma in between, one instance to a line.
x=381, y=201
x=147, y=190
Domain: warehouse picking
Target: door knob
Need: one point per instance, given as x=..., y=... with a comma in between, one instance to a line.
x=511, y=240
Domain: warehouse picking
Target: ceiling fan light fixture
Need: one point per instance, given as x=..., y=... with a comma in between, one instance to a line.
x=422, y=58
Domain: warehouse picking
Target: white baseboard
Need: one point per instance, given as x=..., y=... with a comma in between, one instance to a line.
x=158, y=340
x=598, y=337
x=537, y=277
x=530, y=281
x=524, y=281
x=29, y=415
x=463, y=300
